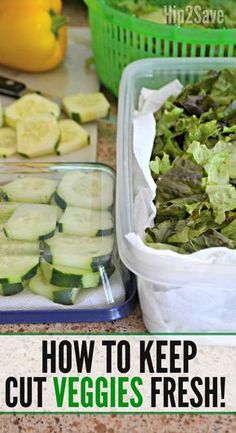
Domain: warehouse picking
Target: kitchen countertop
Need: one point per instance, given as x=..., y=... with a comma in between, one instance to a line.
x=76, y=10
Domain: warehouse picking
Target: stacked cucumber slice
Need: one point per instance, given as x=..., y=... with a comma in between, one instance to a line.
x=55, y=235
x=32, y=125
x=31, y=222
x=86, y=222
x=29, y=190
x=86, y=190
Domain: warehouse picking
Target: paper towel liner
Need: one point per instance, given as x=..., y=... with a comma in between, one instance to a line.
x=183, y=293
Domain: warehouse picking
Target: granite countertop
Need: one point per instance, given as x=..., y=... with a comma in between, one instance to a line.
x=76, y=10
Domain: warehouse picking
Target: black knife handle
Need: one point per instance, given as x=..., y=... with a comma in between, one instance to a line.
x=10, y=87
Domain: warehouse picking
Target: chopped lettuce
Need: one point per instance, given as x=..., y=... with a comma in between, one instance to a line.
x=194, y=166
x=160, y=165
x=182, y=180
x=230, y=230
x=222, y=199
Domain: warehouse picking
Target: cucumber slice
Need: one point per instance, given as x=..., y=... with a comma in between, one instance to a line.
x=59, y=209
x=1, y=114
x=85, y=189
x=72, y=251
x=86, y=107
x=29, y=190
x=72, y=137
x=14, y=247
x=30, y=105
x=86, y=222
x=17, y=268
x=37, y=135
x=65, y=276
x=11, y=289
x=7, y=142
x=32, y=222
x=65, y=296
x=6, y=210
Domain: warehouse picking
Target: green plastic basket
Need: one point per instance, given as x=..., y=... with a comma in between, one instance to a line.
x=119, y=39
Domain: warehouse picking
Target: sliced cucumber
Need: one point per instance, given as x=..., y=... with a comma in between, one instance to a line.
x=86, y=107
x=14, y=247
x=7, y=142
x=17, y=268
x=32, y=222
x=86, y=222
x=72, y=251
x=65, y=296
x=29, y=190
x=85, y=189
x=6, y=210
x=1, y=114
x=72, y=137
x=59, y=209
x=37, y=135
x=66, y=276
x=29, y=105
x=11, y=289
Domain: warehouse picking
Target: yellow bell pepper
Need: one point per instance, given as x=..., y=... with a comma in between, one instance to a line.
x=32, y=39
x=54, y=5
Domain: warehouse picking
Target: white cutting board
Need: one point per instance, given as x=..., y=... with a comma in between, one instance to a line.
x=69, y=78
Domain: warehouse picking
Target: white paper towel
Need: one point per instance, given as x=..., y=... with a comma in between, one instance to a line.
x=152, y=100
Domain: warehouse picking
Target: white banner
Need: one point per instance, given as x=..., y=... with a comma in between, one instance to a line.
x=117, y=373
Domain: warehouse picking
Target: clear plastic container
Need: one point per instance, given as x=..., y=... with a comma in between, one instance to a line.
x=153, y=74
x=70, y=273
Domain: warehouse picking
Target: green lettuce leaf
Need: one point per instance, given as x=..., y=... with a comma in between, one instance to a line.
x=161, y=232
x=160, y=165
x=159, y=246
x=182, y=180
x=230, y=230
x=203, y=131
x=230, y=114
x=178, y=208
x=224, y=90
x=222, y=199
x=232, y=161
x=210, y=239
x=216, y=163
x=217, y=169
